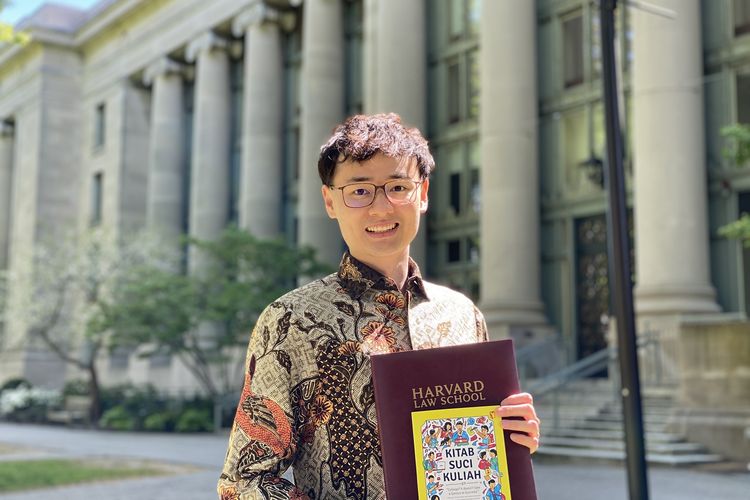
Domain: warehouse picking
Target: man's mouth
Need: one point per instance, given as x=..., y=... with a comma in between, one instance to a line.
x=381, y=228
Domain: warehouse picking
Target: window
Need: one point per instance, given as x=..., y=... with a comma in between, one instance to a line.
x=743, y=98
x=100, y=126
x=741, y=17
x=573, y=50
x=236, y=71
x=455, y=192
x=292, y=48
x=96, y=199
x=454, y=251
x=454, y=92
x=353, y=33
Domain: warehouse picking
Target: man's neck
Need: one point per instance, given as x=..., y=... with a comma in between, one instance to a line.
x=396, y=269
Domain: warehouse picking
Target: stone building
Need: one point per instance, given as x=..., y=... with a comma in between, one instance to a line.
x=186, y=115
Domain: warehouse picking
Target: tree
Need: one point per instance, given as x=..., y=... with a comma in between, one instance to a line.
x=8, y=34
x=738, y=153
x=59, y=299
x=169, y=312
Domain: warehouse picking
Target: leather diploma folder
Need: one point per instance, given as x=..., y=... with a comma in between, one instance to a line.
x=465, y=376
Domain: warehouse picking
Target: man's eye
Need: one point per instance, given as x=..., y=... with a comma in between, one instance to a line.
x=399, y=188
x=360, y=192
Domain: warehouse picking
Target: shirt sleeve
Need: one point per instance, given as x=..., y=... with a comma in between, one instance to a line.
x=481, y=326
x=262, y=443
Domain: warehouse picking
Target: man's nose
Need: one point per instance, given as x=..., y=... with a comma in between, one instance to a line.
x=381, y=203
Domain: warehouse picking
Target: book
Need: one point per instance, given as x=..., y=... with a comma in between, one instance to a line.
x=460, y=454
x=453, y=383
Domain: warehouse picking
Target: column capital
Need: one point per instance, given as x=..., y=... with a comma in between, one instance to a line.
x=162, y=66
x=205, y=42
x=260, y=13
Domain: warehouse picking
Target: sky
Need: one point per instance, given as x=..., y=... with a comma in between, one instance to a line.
x=18, y=9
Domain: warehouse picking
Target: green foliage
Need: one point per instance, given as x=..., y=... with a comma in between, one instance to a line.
x=15, y=383
x=194, y=420
x=738, y=152
x=19, y=475
x=739, y=229
x=76, y=387
x=156, y=307
x=737, y=149
x=118, y=419
x=8, y=34
x=163, y=421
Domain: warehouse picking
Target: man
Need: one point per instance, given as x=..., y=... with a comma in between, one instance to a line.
x=308, y=399
x=493, y=491
x=460, y=437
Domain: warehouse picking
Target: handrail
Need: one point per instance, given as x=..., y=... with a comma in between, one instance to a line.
x=589, y=365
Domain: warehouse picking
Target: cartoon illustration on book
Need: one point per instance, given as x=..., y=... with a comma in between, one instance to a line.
x=458, y=454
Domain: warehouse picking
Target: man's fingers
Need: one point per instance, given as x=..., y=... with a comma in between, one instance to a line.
x=532, y=443
x=531, y=427
x=525, y=411
x=518, y=399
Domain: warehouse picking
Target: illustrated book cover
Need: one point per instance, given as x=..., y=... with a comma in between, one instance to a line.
x=439, y=437
x=459, y=455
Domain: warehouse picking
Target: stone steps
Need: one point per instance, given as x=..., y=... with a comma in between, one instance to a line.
x=590, y=427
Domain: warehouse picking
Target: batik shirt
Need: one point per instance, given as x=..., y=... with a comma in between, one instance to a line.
x=308, y=399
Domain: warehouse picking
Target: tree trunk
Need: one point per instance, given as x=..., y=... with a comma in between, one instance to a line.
x=95, y=409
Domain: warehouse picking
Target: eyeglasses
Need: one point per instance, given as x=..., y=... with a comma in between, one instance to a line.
x=362, y=194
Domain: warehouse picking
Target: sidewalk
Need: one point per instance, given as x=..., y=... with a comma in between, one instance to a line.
x=206, y=454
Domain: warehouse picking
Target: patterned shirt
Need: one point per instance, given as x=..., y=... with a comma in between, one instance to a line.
x=308, y=399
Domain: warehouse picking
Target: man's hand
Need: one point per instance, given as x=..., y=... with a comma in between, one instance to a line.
x=520, y=405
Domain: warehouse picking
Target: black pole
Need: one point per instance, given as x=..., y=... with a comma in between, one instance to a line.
x=621, y=286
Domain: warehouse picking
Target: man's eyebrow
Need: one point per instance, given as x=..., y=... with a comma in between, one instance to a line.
x=369, y=179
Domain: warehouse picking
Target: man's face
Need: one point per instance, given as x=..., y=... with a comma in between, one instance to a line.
x=382, y=231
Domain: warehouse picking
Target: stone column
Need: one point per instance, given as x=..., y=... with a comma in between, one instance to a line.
x=509, y=219
x=210, y=163
x=6, y=180
x=167, y=155
x=322, y=96
x=670, y=196
x=394, y=39
x=261, y=178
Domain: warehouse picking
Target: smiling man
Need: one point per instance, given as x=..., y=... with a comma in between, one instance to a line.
x=308, y=400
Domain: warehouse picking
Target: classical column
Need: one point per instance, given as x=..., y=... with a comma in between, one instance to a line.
x=167, y=155
x=322, y=91
x=510, y=261
x=261, y=176
x=6, y=179
x=670, y=195
x=210, y=163
x=394, y=39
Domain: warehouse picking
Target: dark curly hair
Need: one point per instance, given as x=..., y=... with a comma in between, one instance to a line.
x=360, y=137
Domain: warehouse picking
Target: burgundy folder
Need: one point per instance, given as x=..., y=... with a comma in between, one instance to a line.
x=402, y=379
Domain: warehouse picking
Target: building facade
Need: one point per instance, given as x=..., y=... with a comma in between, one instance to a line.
x=185, y=116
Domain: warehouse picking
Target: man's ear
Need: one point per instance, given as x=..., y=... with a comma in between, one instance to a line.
x=328, y=201
x=423, y=199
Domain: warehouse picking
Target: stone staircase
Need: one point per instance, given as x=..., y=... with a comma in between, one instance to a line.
x=590, y=427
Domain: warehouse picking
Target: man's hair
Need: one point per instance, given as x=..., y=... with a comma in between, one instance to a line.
x=361, y=137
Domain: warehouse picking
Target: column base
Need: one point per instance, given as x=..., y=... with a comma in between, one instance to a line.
x=662, y=300
x=524, y=322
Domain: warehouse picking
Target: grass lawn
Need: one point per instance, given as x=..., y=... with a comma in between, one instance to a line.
x=30, y=474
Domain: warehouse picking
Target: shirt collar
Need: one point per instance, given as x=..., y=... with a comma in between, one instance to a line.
x=356, y=278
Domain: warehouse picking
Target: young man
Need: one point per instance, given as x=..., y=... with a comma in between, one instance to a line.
x=308, y=397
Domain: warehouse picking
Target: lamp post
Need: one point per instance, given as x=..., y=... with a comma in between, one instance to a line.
x=620, y=282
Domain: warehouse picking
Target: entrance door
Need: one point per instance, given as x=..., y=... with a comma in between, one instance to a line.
x=592, y=284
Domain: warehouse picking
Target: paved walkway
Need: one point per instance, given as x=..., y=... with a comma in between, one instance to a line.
x=203, y=455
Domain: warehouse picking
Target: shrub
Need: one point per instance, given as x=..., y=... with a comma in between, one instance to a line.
x=118, y=419
x=15, y=383
x=193, y=420
x=27, y=404
x=76, y=388
x=160, y=422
